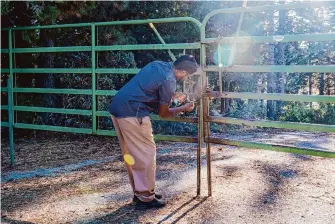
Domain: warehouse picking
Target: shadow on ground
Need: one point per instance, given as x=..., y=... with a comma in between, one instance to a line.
x=124, y=214
x=275, y=177
x=128, y=214
x=190, y=209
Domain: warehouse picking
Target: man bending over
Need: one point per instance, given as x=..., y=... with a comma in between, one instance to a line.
x=150, y=90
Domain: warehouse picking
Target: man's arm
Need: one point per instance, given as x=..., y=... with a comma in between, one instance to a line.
x=165, y=111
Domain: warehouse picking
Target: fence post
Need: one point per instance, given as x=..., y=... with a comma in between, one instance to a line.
x=94, y=102
x=207, y=131
x=199, y=111
x=10, y=100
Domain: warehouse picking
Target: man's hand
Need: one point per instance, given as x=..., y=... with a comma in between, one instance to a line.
x=181, y=97
x=165, y=111
x=189, y=107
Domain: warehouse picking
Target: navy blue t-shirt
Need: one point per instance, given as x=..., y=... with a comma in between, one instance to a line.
x=155, y=84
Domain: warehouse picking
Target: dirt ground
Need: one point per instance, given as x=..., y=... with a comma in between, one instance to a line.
x=83, y=180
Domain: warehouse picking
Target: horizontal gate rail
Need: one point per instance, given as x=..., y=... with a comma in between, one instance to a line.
x=271, y=39
x=74, y=70
x=106, y=132
x=147, y=21
x=256, y=9
x=4, y=124
x=117, y=70
x=272, y=96
x=53, y=70
x=109, y=48
x=234, y=68
x=272, y=147
x=126, y=22
x=148, y=47
x=272, y=124
x=193, y=120
x=271, y=68
x=175, y=138
x=99, y=132
x=106, y=92
x=50, y=90
x=53, y=128
x=53, y=110
x=76, y=25
x=52, y=49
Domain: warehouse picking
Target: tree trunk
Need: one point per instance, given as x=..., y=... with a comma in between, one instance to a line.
x=222, y=107
x=230, y=101
x=262, y=101
x=49, y=100
x=310, y=86
x=225, y=101
x=271, y=75
x=322, y=84
x=328, y=80
x=226, y=104
x=270, y=103
x=280, y=61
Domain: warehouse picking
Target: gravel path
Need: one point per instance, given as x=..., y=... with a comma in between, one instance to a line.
x=84, y=181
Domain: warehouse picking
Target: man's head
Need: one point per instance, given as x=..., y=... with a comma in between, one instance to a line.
x=185, y=65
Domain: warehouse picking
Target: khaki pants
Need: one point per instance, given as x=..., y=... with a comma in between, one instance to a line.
x=136, y=139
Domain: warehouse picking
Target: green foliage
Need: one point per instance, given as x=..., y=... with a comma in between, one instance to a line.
x=5, y=7
x=30, y=36
x=303, y=112
x=247, y=110
x=298, y=112
x=63, y=12
x=174, y=128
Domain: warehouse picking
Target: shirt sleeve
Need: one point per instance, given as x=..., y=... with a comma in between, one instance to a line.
x=166, y=90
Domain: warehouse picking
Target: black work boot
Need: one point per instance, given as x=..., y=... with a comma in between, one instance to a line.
x=141, y=205
x=158, y=196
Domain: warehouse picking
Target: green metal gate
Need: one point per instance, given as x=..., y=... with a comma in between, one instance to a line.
x=225, y=64
x=203, y=119
x=93, y=70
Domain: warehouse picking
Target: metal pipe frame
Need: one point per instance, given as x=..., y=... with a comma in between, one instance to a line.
x=255, y=9
x=273, y=147
x=230, y=67
x=272, y=124
x=93, y=70
x=272, y=96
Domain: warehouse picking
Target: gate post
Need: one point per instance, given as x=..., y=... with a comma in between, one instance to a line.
x=94, y=99
x=10, y=100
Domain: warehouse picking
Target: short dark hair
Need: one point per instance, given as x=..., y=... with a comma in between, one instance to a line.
x=186, y=62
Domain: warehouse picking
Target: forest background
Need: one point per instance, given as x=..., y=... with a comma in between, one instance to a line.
x=295, y=21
